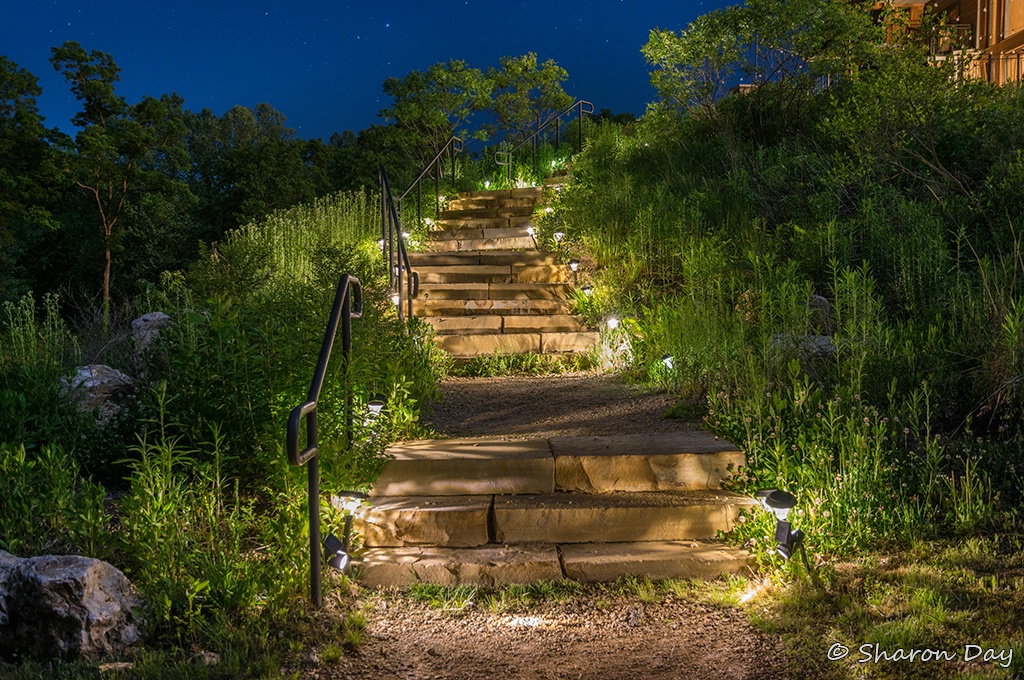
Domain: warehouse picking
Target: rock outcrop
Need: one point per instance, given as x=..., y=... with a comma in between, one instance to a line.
x=65, y=606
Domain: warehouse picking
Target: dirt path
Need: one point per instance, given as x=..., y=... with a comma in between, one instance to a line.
x=600, y=633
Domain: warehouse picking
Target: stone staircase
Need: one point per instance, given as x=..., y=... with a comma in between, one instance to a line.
x=485, y=286
x=495, y=512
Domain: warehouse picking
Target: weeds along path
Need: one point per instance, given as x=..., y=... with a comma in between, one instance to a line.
x=632, y=628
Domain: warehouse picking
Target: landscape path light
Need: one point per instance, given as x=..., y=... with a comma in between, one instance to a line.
x=574, y=265
x=613, y=322
x=559, y=236
x=787, y=539
x=373, y=410
x=337, y=551
x=669, y=362
x=587, y=290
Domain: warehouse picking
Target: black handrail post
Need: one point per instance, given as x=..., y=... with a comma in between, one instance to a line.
x=342, y=311
x=580, y=127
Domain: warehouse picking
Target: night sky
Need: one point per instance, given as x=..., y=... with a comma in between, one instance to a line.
x=322, y=63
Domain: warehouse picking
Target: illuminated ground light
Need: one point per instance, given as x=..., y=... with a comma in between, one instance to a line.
x=669, y=362
x=587, y=290
x=754, y=588
x=373, y=410
x=531, y=231
x=574, y=264
x=396, y=298
x=559, y=236
x=613, y=322
x=788, y=540
x=549, y=210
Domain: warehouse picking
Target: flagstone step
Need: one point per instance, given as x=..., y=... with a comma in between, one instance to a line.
x=522, y=242
x=467, y=467
x=482, y=257
x=466, y=521
x=676, y=461
x=616, y=517
x=477, y=232
x=469, y=346
x=447, y=307
x=491, y=323
x=484, y=566
x=503, y=210
x=522, y=564
x=492, y=273
x=595, y=562
x=461, y=223
x=491, y=202
x=493, y=291
x=524, y=192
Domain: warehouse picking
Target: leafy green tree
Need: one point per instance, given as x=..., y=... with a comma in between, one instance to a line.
x=798, y=42
x=248, y=163
x=525, y=93
x=120, y=149
x=26, y=167
x=432, y=105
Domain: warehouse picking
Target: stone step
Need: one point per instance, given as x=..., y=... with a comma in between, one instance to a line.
x=466, y=521
x=676, y=461
x=475, y=307
x=493, y=291
x=491, y=323
x=522, y=564
x=616, y=517
x=457, y=223
x=484, y=566
x=467, y=467
x=449, y=521
x=486, y=213
x=490, y=273
x=491, y=202
x=499, y=243
x=524, y=192
x=469, y=346
x=485, y=257
x=480, y=232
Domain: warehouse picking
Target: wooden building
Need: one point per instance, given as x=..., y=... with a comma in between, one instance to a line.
x=990, y=30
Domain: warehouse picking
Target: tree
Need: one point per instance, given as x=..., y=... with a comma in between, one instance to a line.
x=26, y=165
x=119, y=149
x=525, y=93
x=430, y=106
x=796, y=42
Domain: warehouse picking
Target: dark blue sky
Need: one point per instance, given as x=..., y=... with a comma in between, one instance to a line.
x=322, y=62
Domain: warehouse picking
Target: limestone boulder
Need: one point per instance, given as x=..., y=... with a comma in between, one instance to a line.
x=146, y=329
x=98, y=387
x=65, y=606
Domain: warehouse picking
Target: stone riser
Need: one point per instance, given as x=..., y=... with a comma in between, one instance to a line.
x=458, y=244
x=492, y=203
x=473, y=521
x=484, y=257
x=507, y=565
x=477, y=307
x=475, y=213
x=684, y=461
x=469, y=346
x=493, y=323
x=480, y=273
x=443, y=228
x=495, y=291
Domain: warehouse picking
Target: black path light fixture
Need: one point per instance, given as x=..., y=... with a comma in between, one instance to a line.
x=338, y=551
x=348, y=305
x=574, y=265
x=787, y=539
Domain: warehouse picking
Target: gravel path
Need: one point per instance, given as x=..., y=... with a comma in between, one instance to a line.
x=531, y=407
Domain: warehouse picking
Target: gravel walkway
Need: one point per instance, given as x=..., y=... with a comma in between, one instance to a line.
x=530, y=407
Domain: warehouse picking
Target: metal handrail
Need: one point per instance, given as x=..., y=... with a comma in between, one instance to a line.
x=505, y=157
x=452, y=147
x=395, y=254
x=348, y=305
